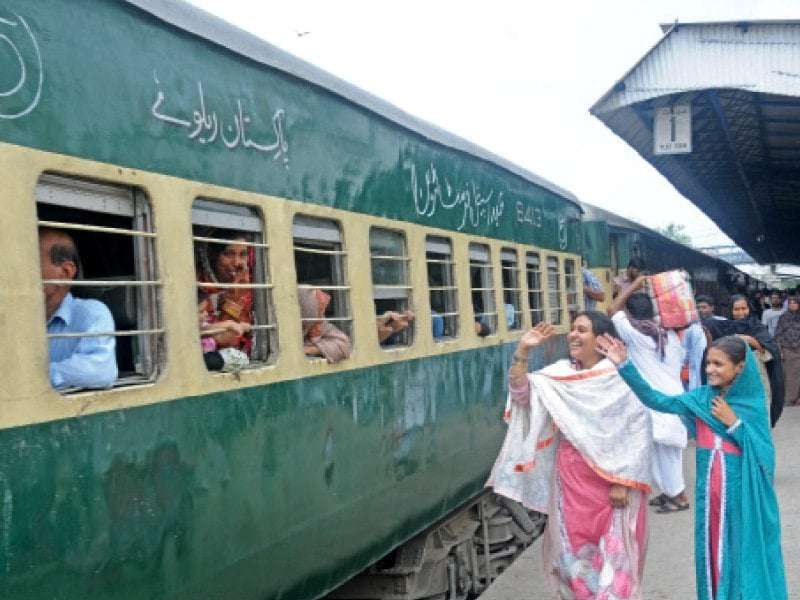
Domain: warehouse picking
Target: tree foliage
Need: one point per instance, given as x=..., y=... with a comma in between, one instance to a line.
x=676, y=232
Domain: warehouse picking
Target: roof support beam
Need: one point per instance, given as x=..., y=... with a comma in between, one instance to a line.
x=716, y=105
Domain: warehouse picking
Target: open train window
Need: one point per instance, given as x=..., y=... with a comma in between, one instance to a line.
x=100, y=282
x=234, y=293
x=320, y=259
x=482, y=287
x=571, y=287
x=533, y=274
x=512, y=291
x=554, y=289
x=442, y=287
x=390, y=287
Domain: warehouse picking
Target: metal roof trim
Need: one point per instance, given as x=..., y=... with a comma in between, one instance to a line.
x=186, y=17
x=594, y=109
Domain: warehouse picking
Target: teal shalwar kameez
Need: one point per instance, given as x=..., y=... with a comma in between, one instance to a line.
x=737, y=526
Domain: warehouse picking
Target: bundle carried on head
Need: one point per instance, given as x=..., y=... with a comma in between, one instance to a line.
x=673, y=299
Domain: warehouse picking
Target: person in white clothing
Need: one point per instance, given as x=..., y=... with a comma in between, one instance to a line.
x=659, y=357
x=771, y=315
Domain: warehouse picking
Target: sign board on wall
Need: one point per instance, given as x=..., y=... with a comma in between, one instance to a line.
x=672, y=130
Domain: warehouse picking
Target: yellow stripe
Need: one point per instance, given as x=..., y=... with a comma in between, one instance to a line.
x=26, y=395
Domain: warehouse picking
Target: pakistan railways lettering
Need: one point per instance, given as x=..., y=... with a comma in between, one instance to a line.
x=206, y=127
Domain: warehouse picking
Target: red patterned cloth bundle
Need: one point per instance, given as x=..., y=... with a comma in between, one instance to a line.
x=673, y=299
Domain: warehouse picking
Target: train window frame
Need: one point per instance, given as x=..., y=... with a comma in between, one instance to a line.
x=481, y=271
x=141, y=291
x=237, y=220
x=401, y=291
x=324, y=236
x=514, y=290
x=536, y=309
x=555, y=304
x=439, y=250
x=571, y=289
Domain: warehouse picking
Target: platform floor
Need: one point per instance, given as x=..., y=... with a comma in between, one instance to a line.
x=669, y=572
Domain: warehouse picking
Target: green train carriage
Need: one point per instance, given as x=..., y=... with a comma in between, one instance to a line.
x=147, y=128
x=610, y=241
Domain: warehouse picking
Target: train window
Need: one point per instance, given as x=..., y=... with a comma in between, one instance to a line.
x=99, y=270
x=320, y=261
x=512, y=291
x=390, y=287
x=234, y=294
x=571, y=287
x=442, y=287
x=533, y=272
x=554, y=289
x=482, y=284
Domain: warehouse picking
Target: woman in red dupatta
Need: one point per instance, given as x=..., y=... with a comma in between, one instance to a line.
x=228, y=309
x=578, y=448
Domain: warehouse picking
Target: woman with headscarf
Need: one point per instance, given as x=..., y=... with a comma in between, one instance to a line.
x=321, y=338
x=659, y=356
x=745, y=324
x=787, y=334
x=578, y=448
x=737, y=523
x=225, y=314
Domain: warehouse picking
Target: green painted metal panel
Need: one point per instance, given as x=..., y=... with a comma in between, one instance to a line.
x=281, y=491
x=109, y=82
x=596, y=244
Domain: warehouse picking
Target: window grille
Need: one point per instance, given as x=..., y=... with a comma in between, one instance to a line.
x=320, y=261
x=443, y=292
x=233, y=283
x=114, y=235
x=482, y=287
x=554, y=290
x=571, y=287
x=390, y=285
x=533, y=272
x=512, y=291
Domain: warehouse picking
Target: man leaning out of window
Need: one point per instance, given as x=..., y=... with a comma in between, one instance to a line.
x=87, y=362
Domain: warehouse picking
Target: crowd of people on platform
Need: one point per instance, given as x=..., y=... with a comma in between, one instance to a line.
x=594, y=439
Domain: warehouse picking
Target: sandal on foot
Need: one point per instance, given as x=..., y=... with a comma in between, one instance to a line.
x=672, y=506
x=659, y=500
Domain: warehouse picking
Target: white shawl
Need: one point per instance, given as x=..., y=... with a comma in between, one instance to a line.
x=595, y=410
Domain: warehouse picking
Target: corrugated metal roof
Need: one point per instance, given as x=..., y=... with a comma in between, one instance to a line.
x=751, y=56
x=189, y=18
x=742, y=81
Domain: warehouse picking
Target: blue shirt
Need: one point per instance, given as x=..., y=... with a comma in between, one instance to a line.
x=88, y=362
x=591, y=281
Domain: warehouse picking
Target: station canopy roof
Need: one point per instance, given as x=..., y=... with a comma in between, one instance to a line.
x=715, y=107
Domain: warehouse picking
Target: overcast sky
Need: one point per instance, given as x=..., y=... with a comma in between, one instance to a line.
x=516, y=77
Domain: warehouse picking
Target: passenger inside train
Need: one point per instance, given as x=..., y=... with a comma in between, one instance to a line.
x=83, y=362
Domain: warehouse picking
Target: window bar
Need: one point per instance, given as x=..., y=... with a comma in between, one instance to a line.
x=306, y=286
x=208, y=332
x=125, y=333
x=102, y=282
x=390, y=257
x=319, y=251
x=228, y=242
x=96, y=228
x=235, y=286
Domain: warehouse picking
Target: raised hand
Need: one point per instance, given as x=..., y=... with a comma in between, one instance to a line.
x=612, y=348
x=533, y=337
